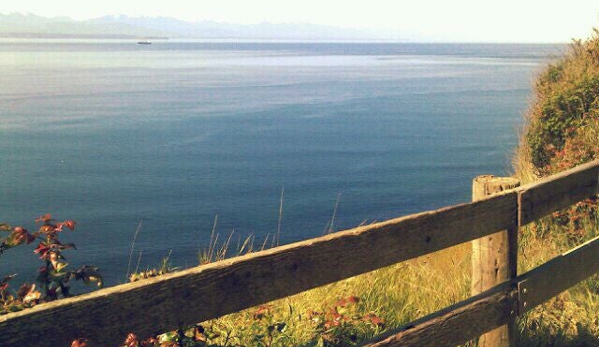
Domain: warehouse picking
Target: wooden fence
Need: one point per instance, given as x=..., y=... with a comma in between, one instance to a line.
x=161, y=304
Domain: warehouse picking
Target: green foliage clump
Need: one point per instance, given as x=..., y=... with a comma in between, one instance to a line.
x=566, y=110
x=563, y=126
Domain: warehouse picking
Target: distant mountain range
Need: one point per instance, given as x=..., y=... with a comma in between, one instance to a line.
x=30, y=25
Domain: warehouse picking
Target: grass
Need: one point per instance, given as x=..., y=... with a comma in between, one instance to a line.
x=395, y=295
x=406, y=291
x=571, y=318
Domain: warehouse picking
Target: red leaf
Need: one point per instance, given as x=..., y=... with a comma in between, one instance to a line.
x=341, y=303
x=48, y=228
x=20, y=235
x=69, y=224
x=79, y=343
x=374, y=319
x=45, y=218
x=132, y=340
x=42, y=249
x=353, y=299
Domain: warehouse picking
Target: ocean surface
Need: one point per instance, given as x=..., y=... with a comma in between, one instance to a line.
x=176, y=134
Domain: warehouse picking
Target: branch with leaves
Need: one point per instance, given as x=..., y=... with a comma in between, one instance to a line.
x=53, y=277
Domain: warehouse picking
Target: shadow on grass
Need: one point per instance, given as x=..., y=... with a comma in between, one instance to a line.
x=541, y=338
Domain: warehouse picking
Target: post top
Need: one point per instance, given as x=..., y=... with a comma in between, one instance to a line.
x=484, y=185
x=493, y=180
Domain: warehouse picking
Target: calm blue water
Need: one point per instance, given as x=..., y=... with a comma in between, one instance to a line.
x=110, y=133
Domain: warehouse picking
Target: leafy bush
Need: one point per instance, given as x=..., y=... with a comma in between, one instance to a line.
x=563, y=127
x=53, y=276
x=566, y=107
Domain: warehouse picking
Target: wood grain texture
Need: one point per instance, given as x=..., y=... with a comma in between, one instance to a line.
x=558, y=191
x=455, y=324
x=194, y=295
x=493, y=256
x=512, y=325
x=559, y=274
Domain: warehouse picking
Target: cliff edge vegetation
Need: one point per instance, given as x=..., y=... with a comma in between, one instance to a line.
x=563, y=120
x=562, y=131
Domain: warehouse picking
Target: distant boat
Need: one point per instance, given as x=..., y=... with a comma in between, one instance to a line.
x=144, y=42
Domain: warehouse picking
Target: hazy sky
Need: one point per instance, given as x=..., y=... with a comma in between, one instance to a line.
x=451, y=20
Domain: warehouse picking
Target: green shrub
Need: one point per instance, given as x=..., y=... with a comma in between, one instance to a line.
x=567, y=100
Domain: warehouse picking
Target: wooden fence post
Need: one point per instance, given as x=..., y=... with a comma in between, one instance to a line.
x=494, y=258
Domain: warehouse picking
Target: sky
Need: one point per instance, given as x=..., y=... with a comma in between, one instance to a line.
x=439, y=20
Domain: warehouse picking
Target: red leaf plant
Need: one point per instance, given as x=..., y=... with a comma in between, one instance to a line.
x=53, y=277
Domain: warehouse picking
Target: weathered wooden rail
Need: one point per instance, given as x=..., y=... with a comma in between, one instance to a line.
x=209, y=291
